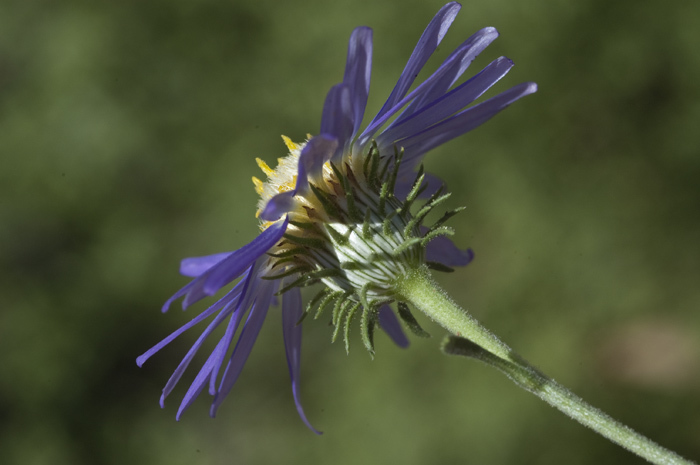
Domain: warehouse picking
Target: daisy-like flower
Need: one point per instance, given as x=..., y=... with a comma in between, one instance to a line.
x=338, y=210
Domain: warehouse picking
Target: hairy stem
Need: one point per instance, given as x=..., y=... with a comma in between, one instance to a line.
x=471, y=339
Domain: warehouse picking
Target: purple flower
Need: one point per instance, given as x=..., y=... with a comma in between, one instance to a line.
x=337, y=210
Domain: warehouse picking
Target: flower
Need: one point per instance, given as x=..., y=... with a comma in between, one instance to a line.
x=337, y=210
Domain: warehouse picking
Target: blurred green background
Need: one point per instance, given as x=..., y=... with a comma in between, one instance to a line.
x=128, y=132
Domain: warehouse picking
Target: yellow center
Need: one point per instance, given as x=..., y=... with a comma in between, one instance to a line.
x=284, y=178
x=281, y=179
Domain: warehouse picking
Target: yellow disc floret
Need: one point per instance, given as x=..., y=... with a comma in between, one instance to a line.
x=291, y=145
x=284, y=179
x=281, y=179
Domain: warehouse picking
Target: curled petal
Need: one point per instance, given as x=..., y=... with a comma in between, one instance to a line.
x=278, y=206
x=315, y=153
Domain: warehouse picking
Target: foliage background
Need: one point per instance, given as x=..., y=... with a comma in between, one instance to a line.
x=127, y=136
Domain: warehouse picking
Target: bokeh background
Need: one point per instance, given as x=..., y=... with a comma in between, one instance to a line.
x=128, y=132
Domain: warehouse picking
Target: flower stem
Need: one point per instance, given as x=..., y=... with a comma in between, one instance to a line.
x=475, y=341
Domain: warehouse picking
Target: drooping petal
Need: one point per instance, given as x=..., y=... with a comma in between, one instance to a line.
x=291, y=313
x=465, y=121
x=428, y=42
x=219, y=353
x=177, y=374
x=447, y=105
x=232, y=294
x=248, y=295
x=213, y=363
x=443, y=250
x=358, y=69
x=230, y=268
x=391, y=325
x=234, y=304
x=195, y=266
x=245, y=343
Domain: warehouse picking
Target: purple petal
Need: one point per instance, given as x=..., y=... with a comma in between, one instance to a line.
x=428, y=42
x=338, y=119
x=278, y=206
x=313, y=156
x=245, y=343
x=390, y=324
x=232, y=294
x=212, y=365
x=196, y=292
x=358, y=69
x=446, y=68
x=291, y=313
x=443, y=250
x=446, y=105
x=248, y=295
x=462, y=122
x=192, y=393
x=219, y=352
x=183, y=291
x=455, y=65
x=230, y=268
x=195, y=266
x=196, y=387
x=177, y=374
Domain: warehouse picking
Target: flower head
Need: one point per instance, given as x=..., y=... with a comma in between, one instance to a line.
x=338, y=210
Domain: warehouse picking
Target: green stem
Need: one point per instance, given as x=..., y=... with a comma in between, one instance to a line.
x=473, y=340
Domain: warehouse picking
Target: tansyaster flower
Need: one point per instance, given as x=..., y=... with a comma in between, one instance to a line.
x=338, y=210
